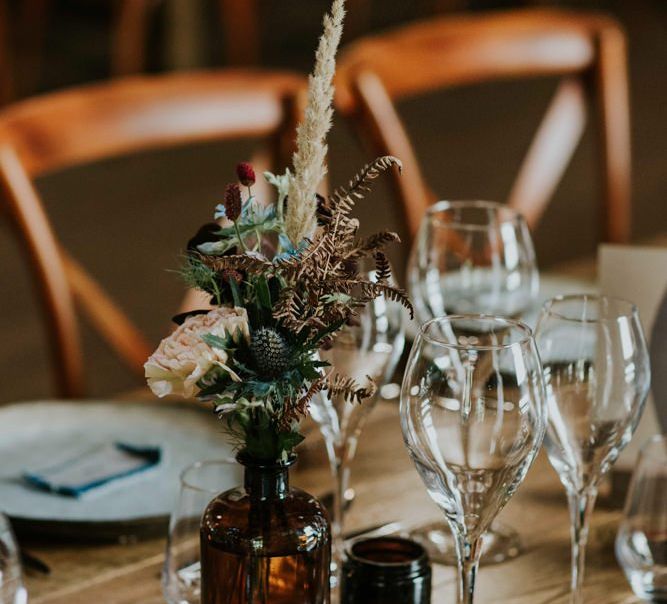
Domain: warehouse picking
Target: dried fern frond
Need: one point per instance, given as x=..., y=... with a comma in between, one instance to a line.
x=240, y=262
x=371, y=290
x=346, y=387
x=289, y=309
x=376, y=242
x=344, y=198
x=301, y=406
x=382, y=269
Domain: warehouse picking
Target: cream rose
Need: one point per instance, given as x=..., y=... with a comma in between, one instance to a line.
x=183, y=358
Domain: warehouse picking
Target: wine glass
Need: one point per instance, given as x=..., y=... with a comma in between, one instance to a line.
x=370, y=348
x=641, y=544
x=472, y=257
x=200, y=483
x=473, y=415
x=12, y=590
x=597, y=377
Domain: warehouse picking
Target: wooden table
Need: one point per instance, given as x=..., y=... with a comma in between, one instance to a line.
x=388, y=489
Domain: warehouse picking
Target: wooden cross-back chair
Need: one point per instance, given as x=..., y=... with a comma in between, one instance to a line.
x=588, y=52
x=60, y=130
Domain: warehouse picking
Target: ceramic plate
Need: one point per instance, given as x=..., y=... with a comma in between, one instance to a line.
x=36, y=434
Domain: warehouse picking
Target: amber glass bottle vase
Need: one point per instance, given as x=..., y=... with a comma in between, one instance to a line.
x=265, y=542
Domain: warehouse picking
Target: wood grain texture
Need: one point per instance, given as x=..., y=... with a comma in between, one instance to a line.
x=587, y=50
x=83, y=124
x=388, y=489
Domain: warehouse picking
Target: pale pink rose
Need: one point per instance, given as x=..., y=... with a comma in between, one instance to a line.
x=183, y=358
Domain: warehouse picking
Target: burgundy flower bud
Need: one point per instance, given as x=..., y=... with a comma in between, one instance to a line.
x=246, y=174
x=233, y=201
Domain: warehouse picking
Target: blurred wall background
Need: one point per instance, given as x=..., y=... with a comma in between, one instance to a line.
x=127, y=218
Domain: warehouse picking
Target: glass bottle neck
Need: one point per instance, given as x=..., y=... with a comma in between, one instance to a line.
x=264, y=482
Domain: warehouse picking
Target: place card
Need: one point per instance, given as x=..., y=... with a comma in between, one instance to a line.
x=639, y=274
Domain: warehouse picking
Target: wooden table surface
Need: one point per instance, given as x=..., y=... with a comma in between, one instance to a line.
x=388, y=489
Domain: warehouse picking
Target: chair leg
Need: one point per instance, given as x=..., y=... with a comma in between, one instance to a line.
x=240, y=24
x=128, y=52
x=28, y=218
x=612, y=76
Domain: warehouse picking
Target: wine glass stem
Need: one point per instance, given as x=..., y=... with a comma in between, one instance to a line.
x=581, y=507
x=468, y=552
x=339, y=462
x=341, y=474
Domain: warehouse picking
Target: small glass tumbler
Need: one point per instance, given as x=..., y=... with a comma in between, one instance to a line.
x=641, y=544
x=200, y=482
x=12, y=590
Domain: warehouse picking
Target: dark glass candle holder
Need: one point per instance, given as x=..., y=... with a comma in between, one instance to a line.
x=386, y=570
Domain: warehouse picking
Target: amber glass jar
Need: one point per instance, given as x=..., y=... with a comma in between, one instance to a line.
x=265, y=542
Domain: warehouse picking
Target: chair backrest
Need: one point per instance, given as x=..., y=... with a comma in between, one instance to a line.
x=90, y=123
x=587, y=50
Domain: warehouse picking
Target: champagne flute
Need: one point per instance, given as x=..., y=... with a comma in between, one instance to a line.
x=597, y=377
x=473, y=415
x=371, y=348
x=472, y=257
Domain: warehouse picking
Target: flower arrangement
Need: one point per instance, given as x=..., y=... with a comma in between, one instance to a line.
x=284, y=279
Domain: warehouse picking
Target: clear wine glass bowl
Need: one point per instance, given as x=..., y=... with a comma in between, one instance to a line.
x=472, y=257
x=641, y=544
x=597, y=377
x=473, y=416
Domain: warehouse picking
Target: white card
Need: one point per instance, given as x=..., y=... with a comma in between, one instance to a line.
x=639, y=274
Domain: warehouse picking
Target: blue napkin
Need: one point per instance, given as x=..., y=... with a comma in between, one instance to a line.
x=93, y=468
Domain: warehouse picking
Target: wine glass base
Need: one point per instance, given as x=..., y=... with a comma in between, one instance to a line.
x=499, y=543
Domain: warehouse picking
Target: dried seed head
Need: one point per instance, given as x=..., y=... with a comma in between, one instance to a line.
x=233, y=202
x=270, y=351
